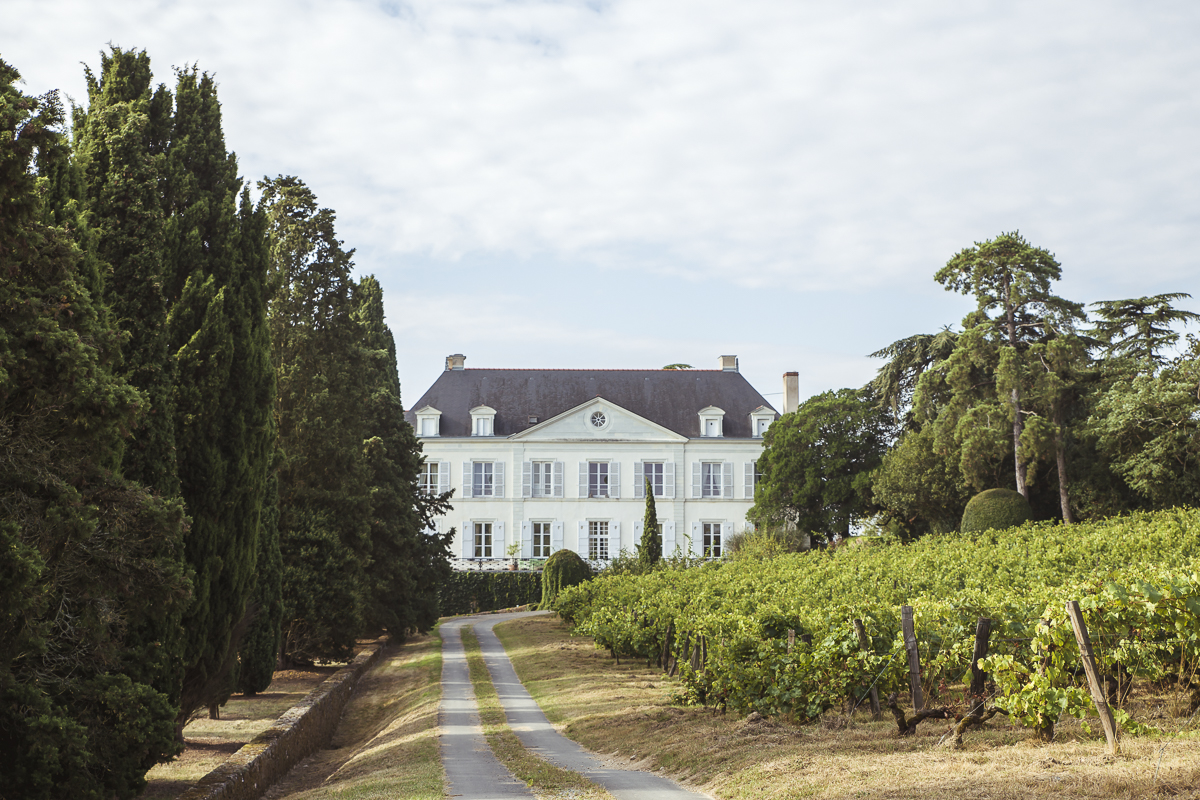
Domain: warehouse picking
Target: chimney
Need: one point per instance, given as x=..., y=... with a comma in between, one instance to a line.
x=457, y=361
x=791, y=392
x=728, y=363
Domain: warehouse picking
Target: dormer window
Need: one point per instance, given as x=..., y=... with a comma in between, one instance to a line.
x=761, y=419
x=712, y=422
x=482, y=421
x=429, y=422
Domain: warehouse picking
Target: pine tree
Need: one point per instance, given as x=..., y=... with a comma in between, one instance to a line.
x=89, y=560
x=404, y=570
x=324, y=479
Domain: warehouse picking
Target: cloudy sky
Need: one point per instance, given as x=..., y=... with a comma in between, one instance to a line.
x=641, y=182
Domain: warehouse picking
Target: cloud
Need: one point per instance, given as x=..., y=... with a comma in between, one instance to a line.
x=808, y=149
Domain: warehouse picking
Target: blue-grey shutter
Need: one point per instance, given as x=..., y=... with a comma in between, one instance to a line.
x=443, y=477
x=614, y=539
x=726, y=532
x=669, y=479
x=558, y=479
x=637, y=533
x=526, y=539
x=696, y=479
x=639, y=480
x=727, y=480
x=526, y=479
x=697, y=540
x=614, y=479
x=583, y=543
x=498, y=545
x=583, y=480
x=748, y=480
x=668, y=538
x=498, y=479
x=556, y=537
x=467, y=532
x=468, y=486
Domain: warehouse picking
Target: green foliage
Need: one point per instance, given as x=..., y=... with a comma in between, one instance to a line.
x=995, y=509
x=1140, y=328
x=1135, y=577
x=917, y=489
x=473, y=592
x=649, y=549
x=258, y=651
x=90, y=563
x=816, y=464
x=564, y=568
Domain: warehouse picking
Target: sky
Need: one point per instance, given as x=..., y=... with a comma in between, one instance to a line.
x=635, y=183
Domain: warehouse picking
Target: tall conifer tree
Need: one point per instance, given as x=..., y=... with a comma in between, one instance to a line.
x=90, y=561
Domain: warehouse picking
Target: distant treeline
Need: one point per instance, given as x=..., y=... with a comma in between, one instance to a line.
x=204, y=464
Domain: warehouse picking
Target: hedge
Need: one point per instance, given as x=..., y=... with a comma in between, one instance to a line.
x=469, y=592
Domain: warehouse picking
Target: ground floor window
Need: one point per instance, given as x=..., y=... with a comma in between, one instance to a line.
x=541, y=540
x=483, y=540
x=598, y=541
x=712, y=539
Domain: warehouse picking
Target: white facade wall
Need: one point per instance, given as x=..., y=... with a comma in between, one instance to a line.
x=625, y=440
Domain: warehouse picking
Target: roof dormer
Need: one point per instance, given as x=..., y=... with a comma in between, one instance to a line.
x=712, y=422
x=483, y=421
x=761, y=419
x=429, y=421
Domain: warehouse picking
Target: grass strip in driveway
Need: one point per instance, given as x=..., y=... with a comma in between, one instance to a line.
x=544, y=778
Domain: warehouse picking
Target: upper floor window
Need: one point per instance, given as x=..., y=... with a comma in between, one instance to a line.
x=661, y=475
x=712, y=479
x=430, y=481
x=752, y=477
x=483, y=479
x=542, y=479
x=598, y=479
x=653, y=473
x=761, y=419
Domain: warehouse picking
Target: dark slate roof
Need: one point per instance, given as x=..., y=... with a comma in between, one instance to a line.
x=672, y=398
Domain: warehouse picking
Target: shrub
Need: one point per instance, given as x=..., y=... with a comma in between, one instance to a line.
x=469, y=592
x=995, y=509
x=564, y=568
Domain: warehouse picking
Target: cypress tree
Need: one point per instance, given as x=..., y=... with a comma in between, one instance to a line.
x=216, y=265
x=88, y=560
x=649, y=549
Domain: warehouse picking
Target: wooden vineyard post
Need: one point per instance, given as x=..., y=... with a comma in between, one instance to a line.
x=1089, y=666
x=983, y=632
x=914, y=657
x=864, y=644
x=791, y=639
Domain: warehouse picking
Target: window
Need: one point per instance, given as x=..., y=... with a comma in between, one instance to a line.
x=712, y=422
x=752, y=477
x=543, y=479
x=482, y=418
x=541, y=540
x=482, y=483
x=598, y=541
x=483, y=540
x=483, y=427
x=653, y=473
x=710, y=479
x=712, y=539
x=598, y=480
x=430, y=477
x=598, y=419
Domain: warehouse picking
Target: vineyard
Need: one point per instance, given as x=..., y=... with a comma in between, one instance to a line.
x=777, y=634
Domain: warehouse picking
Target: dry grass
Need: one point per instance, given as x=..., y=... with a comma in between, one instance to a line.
x=626, y=710
x=209, y=742
x=542, y=777
x=386, y=743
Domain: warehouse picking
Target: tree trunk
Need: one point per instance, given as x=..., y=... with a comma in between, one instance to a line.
x=1060, y=455
x=1018, y=423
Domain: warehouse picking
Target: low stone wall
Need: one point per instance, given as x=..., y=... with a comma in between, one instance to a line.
x=302, y=730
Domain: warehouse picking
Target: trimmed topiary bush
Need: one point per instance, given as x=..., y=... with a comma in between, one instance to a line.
x=995, y=509
x=564, y=568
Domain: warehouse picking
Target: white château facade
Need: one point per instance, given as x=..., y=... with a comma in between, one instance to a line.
x=549, y=459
